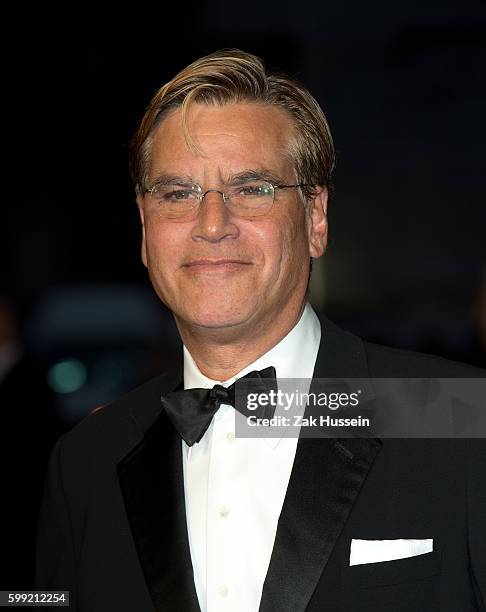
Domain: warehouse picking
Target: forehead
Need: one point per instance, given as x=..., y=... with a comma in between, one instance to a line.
x=233, y=135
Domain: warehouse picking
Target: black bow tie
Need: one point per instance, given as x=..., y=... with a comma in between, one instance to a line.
x=192, y=410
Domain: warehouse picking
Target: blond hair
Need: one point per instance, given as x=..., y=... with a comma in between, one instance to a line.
x=233, y=76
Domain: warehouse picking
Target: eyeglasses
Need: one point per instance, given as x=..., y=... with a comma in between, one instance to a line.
x=252, y=199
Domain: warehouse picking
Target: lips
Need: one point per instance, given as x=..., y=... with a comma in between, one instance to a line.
x=215, y=262
x=216, y=265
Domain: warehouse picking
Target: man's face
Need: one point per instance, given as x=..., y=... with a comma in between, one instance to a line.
x=215, y=270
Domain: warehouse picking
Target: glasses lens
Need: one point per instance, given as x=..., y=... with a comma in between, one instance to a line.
x=175, y=200
x=251, y=199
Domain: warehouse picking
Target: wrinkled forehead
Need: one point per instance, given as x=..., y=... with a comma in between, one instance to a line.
x=235, y=136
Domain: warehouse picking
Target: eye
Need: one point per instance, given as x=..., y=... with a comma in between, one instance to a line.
x=174, y=193
x=178, y=194
x=254, y=190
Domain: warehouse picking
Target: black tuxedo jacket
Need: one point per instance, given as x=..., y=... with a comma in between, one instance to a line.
x=113, y=528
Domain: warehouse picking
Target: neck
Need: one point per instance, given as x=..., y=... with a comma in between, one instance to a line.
x=221, y=353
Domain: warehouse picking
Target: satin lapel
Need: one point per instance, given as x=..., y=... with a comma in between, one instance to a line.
x=326, y=478
x=152, y=485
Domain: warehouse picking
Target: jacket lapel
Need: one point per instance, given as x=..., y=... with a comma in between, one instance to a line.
x=152, y=485
x=326, y=478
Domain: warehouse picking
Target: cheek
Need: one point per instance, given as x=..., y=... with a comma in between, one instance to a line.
x=265, y=239
x=280, y=245
x=294, y=242
x=161, y=244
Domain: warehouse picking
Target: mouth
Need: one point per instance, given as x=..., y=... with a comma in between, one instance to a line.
x=216, y=265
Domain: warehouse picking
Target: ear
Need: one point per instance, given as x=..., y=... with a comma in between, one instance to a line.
x=317, y=222
x=142, y=219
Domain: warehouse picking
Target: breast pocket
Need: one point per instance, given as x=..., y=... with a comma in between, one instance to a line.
x=388, y=573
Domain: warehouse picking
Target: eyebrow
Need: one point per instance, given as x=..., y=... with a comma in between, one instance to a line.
x=172, y=179
x=257, y=174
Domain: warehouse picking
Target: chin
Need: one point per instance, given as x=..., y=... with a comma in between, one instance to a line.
x=217, y=321
x=216, y=316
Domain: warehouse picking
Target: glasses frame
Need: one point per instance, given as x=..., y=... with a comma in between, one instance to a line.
x=201, y=195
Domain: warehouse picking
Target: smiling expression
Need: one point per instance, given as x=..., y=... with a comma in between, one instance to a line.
x=216, y=271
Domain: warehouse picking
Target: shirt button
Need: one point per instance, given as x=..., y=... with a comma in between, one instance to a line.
x=224, y=512
x=230, y=437
x=223, y=590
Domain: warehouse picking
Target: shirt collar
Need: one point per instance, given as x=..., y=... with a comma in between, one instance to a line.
x=293, y=357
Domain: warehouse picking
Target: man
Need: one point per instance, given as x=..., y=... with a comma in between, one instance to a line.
x=232, y=168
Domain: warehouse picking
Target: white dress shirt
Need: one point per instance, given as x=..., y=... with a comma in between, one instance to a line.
x=235, y=487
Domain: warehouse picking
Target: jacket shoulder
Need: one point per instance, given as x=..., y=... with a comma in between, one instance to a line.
x=385, y=361
x=112, y=430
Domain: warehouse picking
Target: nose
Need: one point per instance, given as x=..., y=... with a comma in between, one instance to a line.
x=214, y=221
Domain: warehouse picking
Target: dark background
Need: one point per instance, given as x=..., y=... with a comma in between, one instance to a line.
x=403, y=86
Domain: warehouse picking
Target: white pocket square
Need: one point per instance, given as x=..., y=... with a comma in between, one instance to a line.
x=374, y=551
